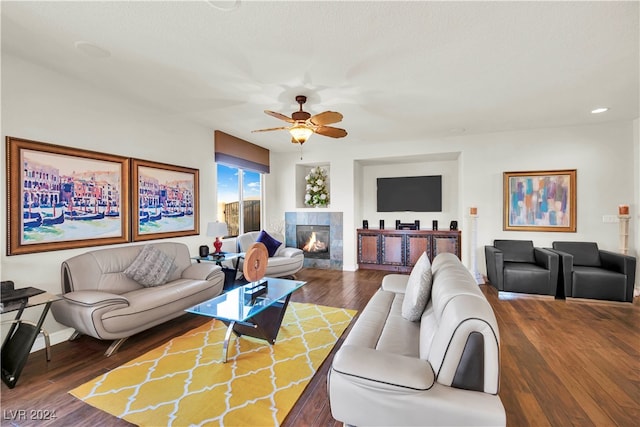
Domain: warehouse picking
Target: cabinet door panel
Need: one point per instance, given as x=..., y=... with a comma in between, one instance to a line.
x=416, y=245
x=446, y=244
x=368, y=249
x=393, y=249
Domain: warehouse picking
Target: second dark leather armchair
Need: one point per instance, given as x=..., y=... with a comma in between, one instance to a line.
x=590, y=272
x=518, y=266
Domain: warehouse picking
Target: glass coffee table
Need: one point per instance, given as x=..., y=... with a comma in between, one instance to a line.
x=255, y=309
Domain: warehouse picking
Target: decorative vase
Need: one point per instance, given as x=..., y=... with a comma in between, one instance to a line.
x=217, y=244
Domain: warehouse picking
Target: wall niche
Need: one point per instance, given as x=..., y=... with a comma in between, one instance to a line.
x=302, y=171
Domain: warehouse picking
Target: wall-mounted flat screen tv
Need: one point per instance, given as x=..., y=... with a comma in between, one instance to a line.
x=410, y=193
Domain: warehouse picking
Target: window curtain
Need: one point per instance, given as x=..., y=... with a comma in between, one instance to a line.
x=242, y=154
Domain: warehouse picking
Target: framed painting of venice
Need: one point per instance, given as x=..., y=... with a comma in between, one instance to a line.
x=540, y=200
x=165, y=199
x=62, y=198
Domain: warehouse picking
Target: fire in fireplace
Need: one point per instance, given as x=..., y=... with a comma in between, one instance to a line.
x=315, y=245
x=313, y=240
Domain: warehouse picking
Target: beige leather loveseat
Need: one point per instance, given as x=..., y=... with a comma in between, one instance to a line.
x=441, y=370
x=101, y=299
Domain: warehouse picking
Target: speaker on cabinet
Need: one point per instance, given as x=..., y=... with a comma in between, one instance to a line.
x=453, y=225
x=434, y=224
x=382, y=224
x=417, y=222
x=365, y=224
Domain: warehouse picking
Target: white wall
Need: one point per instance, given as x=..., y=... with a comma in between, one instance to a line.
x=42, y=105
x=602, y=154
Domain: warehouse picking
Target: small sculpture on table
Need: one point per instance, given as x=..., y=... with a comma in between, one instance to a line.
x=255, y=266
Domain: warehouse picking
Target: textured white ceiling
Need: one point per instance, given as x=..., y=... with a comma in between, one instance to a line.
x=396, y=70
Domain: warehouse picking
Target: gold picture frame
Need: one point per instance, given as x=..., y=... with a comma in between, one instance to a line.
x=165, y=200
x=64, y=198
x=540, y=201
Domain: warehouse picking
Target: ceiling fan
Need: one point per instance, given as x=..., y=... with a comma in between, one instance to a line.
x=303, y=124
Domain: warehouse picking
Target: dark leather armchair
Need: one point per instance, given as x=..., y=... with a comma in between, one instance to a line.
x=589, y=272
x=518, y=266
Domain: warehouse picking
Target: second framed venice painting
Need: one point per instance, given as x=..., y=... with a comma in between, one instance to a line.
x=165, y=199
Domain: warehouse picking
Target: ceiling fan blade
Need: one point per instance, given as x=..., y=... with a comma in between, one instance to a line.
x=267, y=130
x=331, y=132
x=326, y=118
x=279, y=116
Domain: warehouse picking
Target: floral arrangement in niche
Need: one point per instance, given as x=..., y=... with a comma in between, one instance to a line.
x=317, y=189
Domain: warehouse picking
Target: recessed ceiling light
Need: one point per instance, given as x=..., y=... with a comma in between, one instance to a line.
x=92, y=50
x=599, y=110
x=225, y=5
x=457, y=130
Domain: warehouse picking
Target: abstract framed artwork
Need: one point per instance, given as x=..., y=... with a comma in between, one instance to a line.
x=63, y=198
x=165, y=198
x=540, y=201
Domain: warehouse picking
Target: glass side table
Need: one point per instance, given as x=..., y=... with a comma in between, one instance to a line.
x=21, y=336
x=230, y=274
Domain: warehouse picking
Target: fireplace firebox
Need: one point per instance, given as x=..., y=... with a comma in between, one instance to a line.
x=314, y=240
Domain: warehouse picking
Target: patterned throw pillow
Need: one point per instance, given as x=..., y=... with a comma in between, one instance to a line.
x=271, y=243
x=418, y=289
x=152, y=267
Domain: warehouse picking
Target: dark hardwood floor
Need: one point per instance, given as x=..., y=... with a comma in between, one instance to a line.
x=563, y=363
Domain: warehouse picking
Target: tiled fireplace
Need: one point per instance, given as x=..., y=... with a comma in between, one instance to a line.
x=319, y=235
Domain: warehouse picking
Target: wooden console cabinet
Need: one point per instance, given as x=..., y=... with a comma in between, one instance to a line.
x=398, y=250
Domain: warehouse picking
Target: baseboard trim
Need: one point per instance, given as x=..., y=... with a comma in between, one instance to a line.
x=507, y=295
x=54, y=338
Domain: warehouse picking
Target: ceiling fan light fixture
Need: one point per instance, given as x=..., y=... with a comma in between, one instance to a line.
x=300, y=133
x=302, y=124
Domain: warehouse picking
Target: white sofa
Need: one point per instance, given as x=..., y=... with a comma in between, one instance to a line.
x=100, y=300
x=286, y=261
x=442, y=370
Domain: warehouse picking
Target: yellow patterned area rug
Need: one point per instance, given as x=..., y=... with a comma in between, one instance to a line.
x=185, y=383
